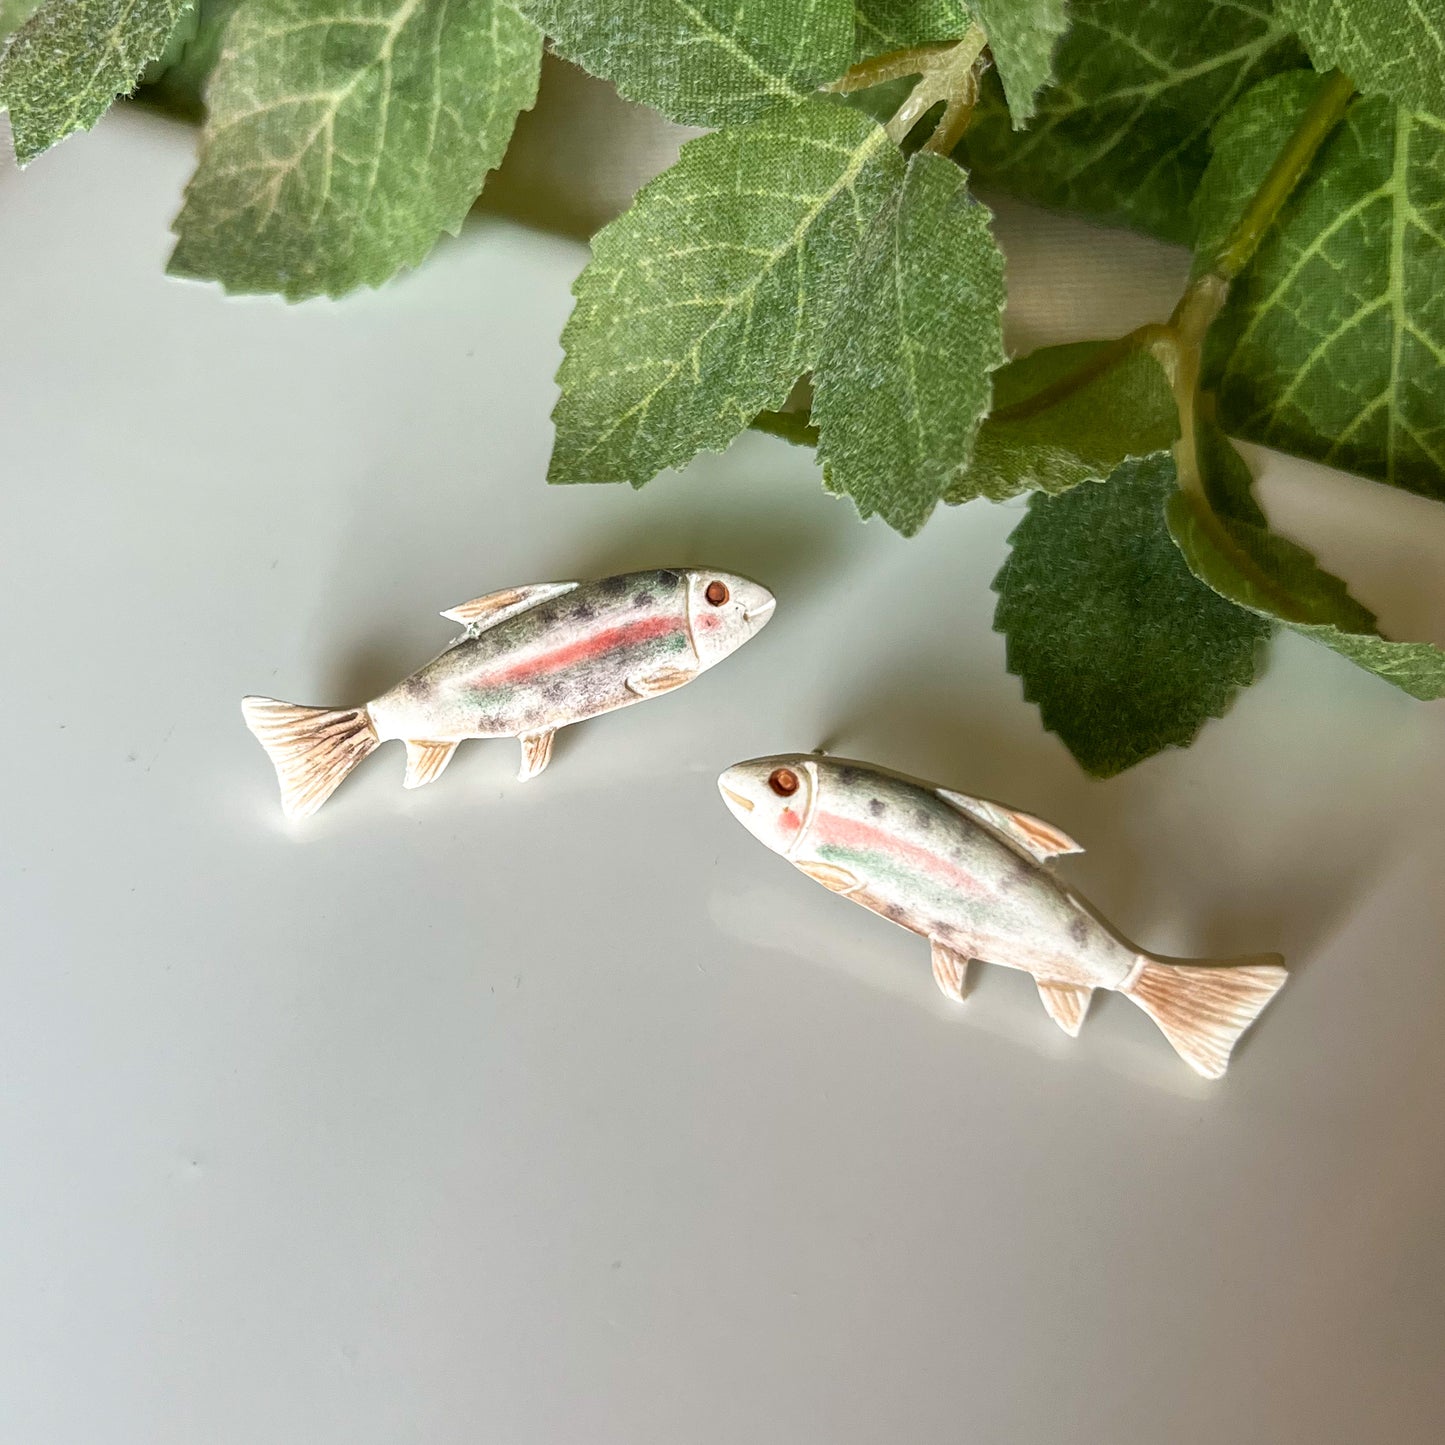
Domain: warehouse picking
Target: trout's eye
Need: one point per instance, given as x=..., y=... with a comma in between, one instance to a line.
x=783, y=781
x=717, y=593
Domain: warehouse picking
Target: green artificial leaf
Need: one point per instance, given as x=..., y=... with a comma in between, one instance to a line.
x=1332, y=344
x=1394, y=48
x=1123, y=134
x=882, y=101
x=1022, y=35
x=705, y=302
x=887, y=25
x=704, y=62
x=1068, y=414
x=14, y=14
x=902, y=376
x=183, y=33
x=793, y=426
x=1227, y=544
x=178, y=79
x=71, y=58
x=1123, y=649
x=344, y=136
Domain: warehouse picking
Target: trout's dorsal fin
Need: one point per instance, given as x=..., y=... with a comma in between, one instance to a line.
x=1037, y=838
x=484, y=612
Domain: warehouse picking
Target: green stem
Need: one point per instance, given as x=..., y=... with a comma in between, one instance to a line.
x=1181, y=351
x=949, y=75
x=1179, y=348
x=883, y=68
x=1324, y=113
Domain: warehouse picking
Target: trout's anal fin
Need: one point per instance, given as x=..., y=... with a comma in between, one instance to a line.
x=1037, y=838
x=950, y=971
x=426, y=761
x=830, y=875
x=664, y=679
x=536, y=753
x=1067, y=1004
x=484, y=612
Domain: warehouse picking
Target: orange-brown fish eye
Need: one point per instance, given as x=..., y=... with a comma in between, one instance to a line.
x=717, y=593
x=783, y=781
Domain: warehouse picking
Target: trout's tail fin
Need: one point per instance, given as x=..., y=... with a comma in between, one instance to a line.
x=312, y=748
x=1204, y=1007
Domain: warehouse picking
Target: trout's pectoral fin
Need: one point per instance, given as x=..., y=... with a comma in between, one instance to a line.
x=536, y=753
x=1037, y=838
x=663, y=679
x=1067, y=1004
x=950, y=971
x=830, y=875
x=484, y=612
x=426, y=761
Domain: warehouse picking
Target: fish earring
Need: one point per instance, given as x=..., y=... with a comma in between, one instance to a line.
x=530, y=660
x=971, y=876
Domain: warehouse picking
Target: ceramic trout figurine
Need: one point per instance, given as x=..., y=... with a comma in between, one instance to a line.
x=972, y=877
x=531, y=660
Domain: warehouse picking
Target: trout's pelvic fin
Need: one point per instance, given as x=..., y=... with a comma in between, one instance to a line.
x=1035, y=837
x=484, y=612
x=950, y=971
x=311, y=748
x=650, y=684
x=1203, y=1007
x=536, y=753
x=830, y=875
x=1067, y=1004
x=426, y=761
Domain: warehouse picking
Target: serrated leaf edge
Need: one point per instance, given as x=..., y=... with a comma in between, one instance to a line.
x=294, y=295
x=877, y=139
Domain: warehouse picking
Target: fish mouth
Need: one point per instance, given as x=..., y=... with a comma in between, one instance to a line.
x=736, y=799
x=762, y=610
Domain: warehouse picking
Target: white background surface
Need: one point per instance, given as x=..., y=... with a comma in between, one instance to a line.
x=566, y=1113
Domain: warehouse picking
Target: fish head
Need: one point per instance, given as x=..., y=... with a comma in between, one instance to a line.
x=724, y=611
x=773, y=798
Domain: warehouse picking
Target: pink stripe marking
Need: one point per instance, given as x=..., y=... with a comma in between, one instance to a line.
x=852, y=833
x=608, y=640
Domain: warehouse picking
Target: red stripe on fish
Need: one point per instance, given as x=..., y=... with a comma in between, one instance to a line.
x=854, y=834
x=645, y=629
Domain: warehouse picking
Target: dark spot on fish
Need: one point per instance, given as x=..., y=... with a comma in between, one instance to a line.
x=923, y=818
x=893, y=911
x=643, y=599
x=876, y=807
x=584, y=612
x=848, y=775
x=614, y=586
x=554, y=691
x=1079, y=929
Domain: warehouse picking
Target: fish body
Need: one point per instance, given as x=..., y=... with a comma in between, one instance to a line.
x=972, y=877
x=530, y=661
